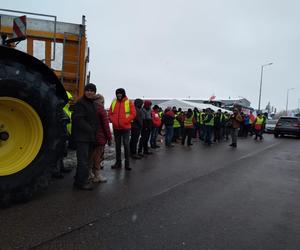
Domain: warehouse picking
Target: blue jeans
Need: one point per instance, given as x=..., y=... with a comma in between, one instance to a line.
x=208, y=133
x=169, y=135
x=154, y=134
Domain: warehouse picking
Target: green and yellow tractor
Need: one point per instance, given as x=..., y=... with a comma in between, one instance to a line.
x=32, y=98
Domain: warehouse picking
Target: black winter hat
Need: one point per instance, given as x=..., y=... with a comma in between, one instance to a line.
x=138, y=103
x=90, y=86
x=121, y=91
x=156, y=107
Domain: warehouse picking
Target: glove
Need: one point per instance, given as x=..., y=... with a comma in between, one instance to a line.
x=109, y=143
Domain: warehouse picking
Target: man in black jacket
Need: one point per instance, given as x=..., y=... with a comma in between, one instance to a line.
x=136, y=127
x=84, y=123
x=143, y=148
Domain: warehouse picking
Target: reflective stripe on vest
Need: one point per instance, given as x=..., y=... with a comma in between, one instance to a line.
x=201, y=117
x=188, y=122
x=259, y=121
x=211, y=122
x=176, y=123
x=69, y=114
x=127, y=107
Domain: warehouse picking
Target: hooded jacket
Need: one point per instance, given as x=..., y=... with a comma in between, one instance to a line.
x=118, y=115
x=155, y=118
x=138, y=121
x=168, y=118
x=84, y=121
x=103, y=132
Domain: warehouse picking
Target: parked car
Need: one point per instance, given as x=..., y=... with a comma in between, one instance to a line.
x=270, y=126
x=287, y=125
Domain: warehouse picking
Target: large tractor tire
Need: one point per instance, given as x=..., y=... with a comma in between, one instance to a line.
x=32, y=133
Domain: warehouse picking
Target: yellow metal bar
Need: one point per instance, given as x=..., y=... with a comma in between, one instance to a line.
x=42, y=34
x=48, y=53
x=30, y=46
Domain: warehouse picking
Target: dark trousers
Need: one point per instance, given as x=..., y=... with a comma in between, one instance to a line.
x=189, y=133
x=197, y=131
x=246, y=130
x=217, y=134
x=84, y=151
x=143, y=143
x=234, y=135
x=176, y=134
x=134, y=139
x=202, y=132
x=227, y=132
x=122, y=135
x=169, y=135
x=154, y=134
x=208, y=133
x=258, y=133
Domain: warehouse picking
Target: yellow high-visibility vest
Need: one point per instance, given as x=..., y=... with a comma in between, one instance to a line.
x=201, y=114
x=259, y=121
x=211, y=122
x=176, y=123
x=127, y=106
x=68, y=112
x=188, y=121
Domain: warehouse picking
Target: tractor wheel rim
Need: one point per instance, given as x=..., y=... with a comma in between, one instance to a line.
x=25, y=130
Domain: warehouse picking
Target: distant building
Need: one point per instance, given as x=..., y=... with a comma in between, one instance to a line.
x=241, y=103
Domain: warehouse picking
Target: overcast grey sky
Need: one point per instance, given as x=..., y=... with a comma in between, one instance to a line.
x=181, y=48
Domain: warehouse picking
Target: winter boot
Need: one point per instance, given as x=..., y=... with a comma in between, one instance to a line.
x=91, y=175
x=98, y=177
x=117, y=165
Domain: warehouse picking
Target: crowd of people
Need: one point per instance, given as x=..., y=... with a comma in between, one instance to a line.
x=137, y=125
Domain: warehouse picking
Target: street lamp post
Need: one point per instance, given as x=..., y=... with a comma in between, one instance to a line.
x=287, y=100
x=261, y=79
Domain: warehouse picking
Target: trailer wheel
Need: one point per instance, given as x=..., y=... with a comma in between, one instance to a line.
x=31, y=130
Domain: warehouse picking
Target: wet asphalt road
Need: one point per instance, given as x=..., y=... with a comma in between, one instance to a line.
x=178, y=198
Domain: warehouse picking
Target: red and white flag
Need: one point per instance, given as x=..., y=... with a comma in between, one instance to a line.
x=213, y=97
x=19, y=27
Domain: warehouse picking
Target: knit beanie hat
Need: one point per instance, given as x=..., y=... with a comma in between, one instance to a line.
x=121, y=91
x=90, y=86
x=156, y=107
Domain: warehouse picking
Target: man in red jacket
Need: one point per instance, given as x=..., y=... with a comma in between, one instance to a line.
x=121, y=114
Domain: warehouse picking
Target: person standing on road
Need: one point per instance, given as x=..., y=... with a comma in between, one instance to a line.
x=121, y=114
x=226, y=126
x=209, y=124
x=176, y=125
x=146, y=129
x=168, y=121
x=235, y=121
x=258, y=126
x=84, y=124
x=189, y=123
x=251, y=120
x=103, y=136
x=217, y=126
x=136, y=127
x=202, y=127
x=246, y=125
x=156, y=125
x=197, y=123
